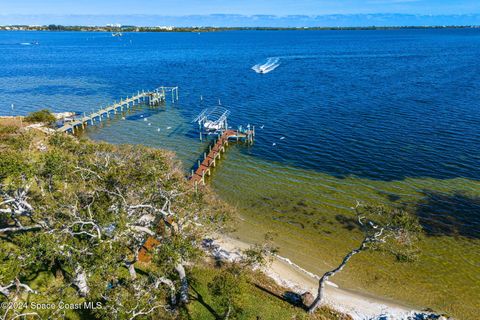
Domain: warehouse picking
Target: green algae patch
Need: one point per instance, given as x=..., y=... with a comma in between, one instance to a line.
x=311, y=215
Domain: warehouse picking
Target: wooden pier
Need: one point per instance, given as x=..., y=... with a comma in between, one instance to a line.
x=198, y=176
x=204, y=168
x=215, y=150
x=152, y=98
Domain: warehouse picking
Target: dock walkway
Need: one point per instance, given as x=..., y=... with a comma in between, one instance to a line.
x=204, y=168
x=154, y=97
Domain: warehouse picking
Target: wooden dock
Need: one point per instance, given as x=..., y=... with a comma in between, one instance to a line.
x=198, y=176
x=152, y=98
x=215, y=150
x=204, y=168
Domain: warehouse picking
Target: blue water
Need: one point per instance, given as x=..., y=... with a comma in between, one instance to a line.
x=377, y=104
x=347, y=115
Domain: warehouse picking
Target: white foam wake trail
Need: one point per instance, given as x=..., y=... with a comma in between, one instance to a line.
x=270, y=65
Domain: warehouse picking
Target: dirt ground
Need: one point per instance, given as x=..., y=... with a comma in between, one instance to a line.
x=12, y=121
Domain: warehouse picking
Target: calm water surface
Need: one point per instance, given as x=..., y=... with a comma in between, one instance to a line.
x=378, y=116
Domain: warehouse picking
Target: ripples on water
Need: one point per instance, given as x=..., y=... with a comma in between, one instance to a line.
x=389, y=116
x=384, y=105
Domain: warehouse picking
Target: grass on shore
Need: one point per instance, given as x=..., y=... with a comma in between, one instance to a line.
x=261, y=298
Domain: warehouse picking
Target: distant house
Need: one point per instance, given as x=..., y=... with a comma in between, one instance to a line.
x=166, y=28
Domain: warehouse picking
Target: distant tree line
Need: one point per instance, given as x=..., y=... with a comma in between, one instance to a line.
x=54, y=27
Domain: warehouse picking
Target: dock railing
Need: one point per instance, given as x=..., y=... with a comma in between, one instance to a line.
x=152, y=98
x=214, y=152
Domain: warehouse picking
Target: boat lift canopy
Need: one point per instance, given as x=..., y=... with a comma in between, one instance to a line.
x=213, y=119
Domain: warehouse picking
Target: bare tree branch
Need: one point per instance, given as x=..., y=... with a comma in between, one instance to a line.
x=20, y=229
x=144, y=312
x=372, y=233
x=5, y=290
x=183, y=282
x=80, y=281
x=28, y=314
x=170, y=285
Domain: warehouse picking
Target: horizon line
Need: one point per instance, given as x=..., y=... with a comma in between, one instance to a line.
x=241, y=15
x=245, y=20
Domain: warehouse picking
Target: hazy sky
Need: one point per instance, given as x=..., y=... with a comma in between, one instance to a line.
x=244, y=7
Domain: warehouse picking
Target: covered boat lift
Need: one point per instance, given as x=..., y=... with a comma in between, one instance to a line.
x=212, y=120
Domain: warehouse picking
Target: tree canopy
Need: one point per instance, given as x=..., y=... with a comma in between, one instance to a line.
x=74, y=216
x=43, y=116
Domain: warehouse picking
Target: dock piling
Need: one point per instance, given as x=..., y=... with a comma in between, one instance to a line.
x=214, y=151
x=123, y=103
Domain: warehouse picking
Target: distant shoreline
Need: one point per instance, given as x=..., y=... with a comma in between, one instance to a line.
x=211, y=29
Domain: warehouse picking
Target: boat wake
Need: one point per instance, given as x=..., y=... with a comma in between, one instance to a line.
x=270, y=65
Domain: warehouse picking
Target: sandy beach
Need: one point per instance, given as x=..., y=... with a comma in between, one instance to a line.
x=289, y=275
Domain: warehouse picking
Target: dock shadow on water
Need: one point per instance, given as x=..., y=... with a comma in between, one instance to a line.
x=455, y=215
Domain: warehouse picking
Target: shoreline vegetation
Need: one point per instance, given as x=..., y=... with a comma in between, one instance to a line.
x=76, y=214
x=53, y=27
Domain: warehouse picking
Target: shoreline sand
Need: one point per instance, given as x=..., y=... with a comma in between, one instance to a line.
x=287, y=274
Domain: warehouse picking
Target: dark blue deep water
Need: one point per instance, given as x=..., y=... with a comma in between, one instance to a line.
x=376, y=116
x=377, y=104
